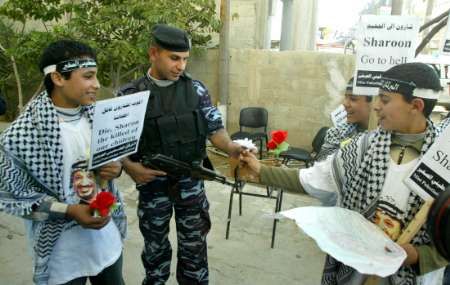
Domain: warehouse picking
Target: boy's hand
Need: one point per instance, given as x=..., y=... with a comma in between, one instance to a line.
x=110, y=170
x=250, y=165
x=412, y=254
x=82, y=214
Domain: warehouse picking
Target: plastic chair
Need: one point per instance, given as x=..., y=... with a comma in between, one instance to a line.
x=300, y=154
x=255, y=118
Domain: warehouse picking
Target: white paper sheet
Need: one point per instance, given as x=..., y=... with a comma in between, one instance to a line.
x=350, y=238
x=117, y=127
x=383, y=41
x=431, y=176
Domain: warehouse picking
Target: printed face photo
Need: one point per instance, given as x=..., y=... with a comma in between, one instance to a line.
x=389, y=225
x=84, y=184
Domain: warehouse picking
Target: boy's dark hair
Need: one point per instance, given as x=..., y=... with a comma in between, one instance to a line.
x=424, y=76
x=349, y=90
x=63, y=50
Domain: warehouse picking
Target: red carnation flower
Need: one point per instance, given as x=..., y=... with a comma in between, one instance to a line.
x=103, y=203
x=279, y=136
x=271, y=144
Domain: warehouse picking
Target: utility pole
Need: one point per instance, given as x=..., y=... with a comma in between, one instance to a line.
x=286, y=42
x=224, y=51
x=397, y=7
x=429, y=11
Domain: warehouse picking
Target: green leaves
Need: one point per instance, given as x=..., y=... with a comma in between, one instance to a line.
x=118, y=29
x=23, y=10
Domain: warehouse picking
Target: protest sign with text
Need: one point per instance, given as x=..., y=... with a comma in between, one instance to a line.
x=117, y=127
x=432, y=174
x=339, y=116
x=383, y=41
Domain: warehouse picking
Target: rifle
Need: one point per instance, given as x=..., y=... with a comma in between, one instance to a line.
x=177, y=168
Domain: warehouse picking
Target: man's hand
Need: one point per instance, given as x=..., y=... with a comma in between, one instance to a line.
x=222, y=141
x=412, y=254
x=234, y=149
x=82, y=214
x=110, y=170
x=141, y=174
x=251, y=164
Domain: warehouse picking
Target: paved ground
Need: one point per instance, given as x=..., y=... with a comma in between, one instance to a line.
x=246, y=258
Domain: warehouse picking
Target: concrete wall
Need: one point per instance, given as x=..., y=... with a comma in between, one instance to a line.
x=295, y=87
x=248, y=25
x=205, y=67
x=243, y=24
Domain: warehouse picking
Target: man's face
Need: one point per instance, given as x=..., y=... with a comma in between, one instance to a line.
x=167, y=65
x=81, y=88
x=389, y=225
x=357, y=108
x=84, y=184
x=394, y=113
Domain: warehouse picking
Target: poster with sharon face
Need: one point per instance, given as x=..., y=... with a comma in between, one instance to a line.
x=432, y=174
x=383, y=41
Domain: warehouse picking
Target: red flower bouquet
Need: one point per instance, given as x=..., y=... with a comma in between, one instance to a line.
x=103, y=204
x=277, y=142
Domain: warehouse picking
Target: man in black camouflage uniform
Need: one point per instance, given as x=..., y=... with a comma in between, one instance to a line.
x=179, y=119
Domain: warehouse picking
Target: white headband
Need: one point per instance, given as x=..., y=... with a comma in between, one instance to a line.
x=426, y=93
x=69, y=65
x=406, y=88
x=49, y=69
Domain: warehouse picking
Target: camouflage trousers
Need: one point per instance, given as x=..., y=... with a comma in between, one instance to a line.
x=157, y=202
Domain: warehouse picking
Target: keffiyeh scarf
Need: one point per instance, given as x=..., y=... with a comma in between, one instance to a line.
x=334, y=137
x=31, y=171
x=360, y=169
x=443, y=124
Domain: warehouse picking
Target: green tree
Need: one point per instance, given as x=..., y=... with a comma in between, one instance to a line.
x=21, y=44
x=118, y=29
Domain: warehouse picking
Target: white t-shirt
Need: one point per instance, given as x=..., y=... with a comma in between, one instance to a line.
x=80, y=252
x=318, y=182
x=393, y=201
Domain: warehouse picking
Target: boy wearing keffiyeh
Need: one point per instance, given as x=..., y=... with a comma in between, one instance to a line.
x=358, y=113
x=39, y=153
x=366, y=175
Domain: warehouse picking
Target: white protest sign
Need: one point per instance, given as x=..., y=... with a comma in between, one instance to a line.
x=432, y=174
x=446, y=45
x=117, y=127
x=339, y=116
x=350, y=238
x=383, y=41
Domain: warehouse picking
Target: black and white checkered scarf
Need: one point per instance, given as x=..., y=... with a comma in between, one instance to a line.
x=334, y=137
x=360, y=169
x=443, y=124
x=31, y=171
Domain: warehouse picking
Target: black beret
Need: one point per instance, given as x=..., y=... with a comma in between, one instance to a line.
x=171, y=38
